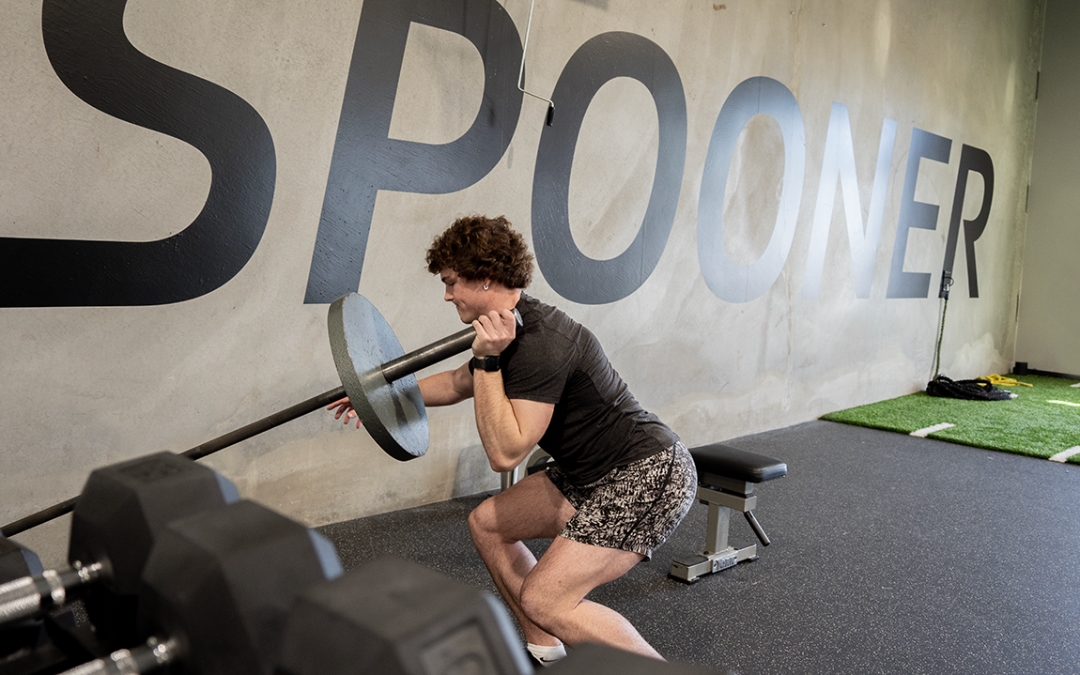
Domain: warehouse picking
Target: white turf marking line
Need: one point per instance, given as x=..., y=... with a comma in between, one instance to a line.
x=1075, y=386
x=1064, y=455
x=923, y=433
x=1075, y=405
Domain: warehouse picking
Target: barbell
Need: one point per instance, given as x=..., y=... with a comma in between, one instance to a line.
x=376, y=374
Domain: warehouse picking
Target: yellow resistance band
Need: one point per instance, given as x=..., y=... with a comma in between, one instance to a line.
x=1001, y=381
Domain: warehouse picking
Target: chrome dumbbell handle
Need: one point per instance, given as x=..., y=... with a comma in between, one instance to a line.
x=136, y=661
x=32, y=596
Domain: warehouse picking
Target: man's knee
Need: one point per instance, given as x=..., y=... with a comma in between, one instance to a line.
x=540, y=603
x=483, y=522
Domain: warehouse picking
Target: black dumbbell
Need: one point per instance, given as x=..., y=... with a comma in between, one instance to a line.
x=116, y=520
x=395, y=617
x=33, y=645
x=17, y=561
x=216, y=591
x=538, y=461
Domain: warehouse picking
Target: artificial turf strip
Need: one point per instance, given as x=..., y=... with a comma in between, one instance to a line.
x=1041, y=422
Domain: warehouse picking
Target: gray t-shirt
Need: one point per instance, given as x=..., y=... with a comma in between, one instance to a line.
x=597, y=424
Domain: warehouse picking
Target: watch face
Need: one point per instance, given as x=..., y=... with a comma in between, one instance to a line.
x=488, y=364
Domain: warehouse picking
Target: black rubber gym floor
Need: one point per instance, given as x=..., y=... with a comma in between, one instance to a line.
x=890, y=554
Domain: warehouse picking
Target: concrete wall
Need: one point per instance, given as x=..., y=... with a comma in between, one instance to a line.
x=749, y=202
x=1050, y=306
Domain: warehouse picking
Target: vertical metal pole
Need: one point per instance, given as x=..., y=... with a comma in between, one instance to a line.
x=525, y=49
x=521, y=71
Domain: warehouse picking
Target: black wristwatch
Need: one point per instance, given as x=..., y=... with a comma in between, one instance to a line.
x=488, y=364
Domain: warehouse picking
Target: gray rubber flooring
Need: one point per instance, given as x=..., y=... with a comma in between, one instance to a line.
x=890, y=554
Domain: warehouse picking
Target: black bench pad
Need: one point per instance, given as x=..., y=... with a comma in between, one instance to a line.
x=724, y=460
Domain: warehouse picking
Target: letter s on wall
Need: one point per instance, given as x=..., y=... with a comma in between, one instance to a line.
x=92, y=56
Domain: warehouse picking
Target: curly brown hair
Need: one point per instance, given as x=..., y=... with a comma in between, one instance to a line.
x=478, y=247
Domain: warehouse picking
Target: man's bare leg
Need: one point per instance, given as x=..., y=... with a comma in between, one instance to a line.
x=531, y=509
x=547, y=597
x=553, y=596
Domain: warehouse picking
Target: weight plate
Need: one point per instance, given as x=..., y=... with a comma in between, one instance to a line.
x=392, y=412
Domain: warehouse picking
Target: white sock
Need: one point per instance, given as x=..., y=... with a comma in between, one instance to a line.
x=546, y=655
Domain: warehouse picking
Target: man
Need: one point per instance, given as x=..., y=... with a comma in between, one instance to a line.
x=622, y=480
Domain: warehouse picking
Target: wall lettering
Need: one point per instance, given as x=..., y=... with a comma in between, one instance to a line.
x=972, y=160
x=726, y=279
x=92, y=56
x=904, y=284
x=570, y=272
x=838, y=163
x=366, y=160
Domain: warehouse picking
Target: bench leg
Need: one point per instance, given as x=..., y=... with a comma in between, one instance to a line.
x=716, y=531
x=718, y=555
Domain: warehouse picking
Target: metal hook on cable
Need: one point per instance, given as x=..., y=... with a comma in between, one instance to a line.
x=521, y=73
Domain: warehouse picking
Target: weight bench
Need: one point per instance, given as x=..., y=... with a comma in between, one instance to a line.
x=726, y=480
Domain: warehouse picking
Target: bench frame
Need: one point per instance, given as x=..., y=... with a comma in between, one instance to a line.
x=723, y=495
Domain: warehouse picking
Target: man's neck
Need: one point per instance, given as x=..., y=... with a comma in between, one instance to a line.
x=504, y=298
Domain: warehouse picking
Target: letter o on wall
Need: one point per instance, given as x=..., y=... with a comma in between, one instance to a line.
x=571, y=273
x=726, y=279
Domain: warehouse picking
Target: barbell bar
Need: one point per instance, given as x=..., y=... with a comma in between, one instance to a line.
x=208, y=448
x=376, y=374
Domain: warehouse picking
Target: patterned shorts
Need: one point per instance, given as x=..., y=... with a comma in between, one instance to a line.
x=634, y=507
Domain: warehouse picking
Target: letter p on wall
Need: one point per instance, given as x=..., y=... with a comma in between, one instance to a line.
x=366, y=160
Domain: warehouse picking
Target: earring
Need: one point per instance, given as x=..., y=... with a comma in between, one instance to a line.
x=485, y=287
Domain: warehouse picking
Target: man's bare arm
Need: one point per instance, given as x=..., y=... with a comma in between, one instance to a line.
x=509, y=428
x=445, y=388
x=448, y=387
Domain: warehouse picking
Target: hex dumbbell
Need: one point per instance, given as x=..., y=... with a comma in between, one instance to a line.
x=395, y=617
x=216, y=591
x=119, y=515
x=16, y=562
